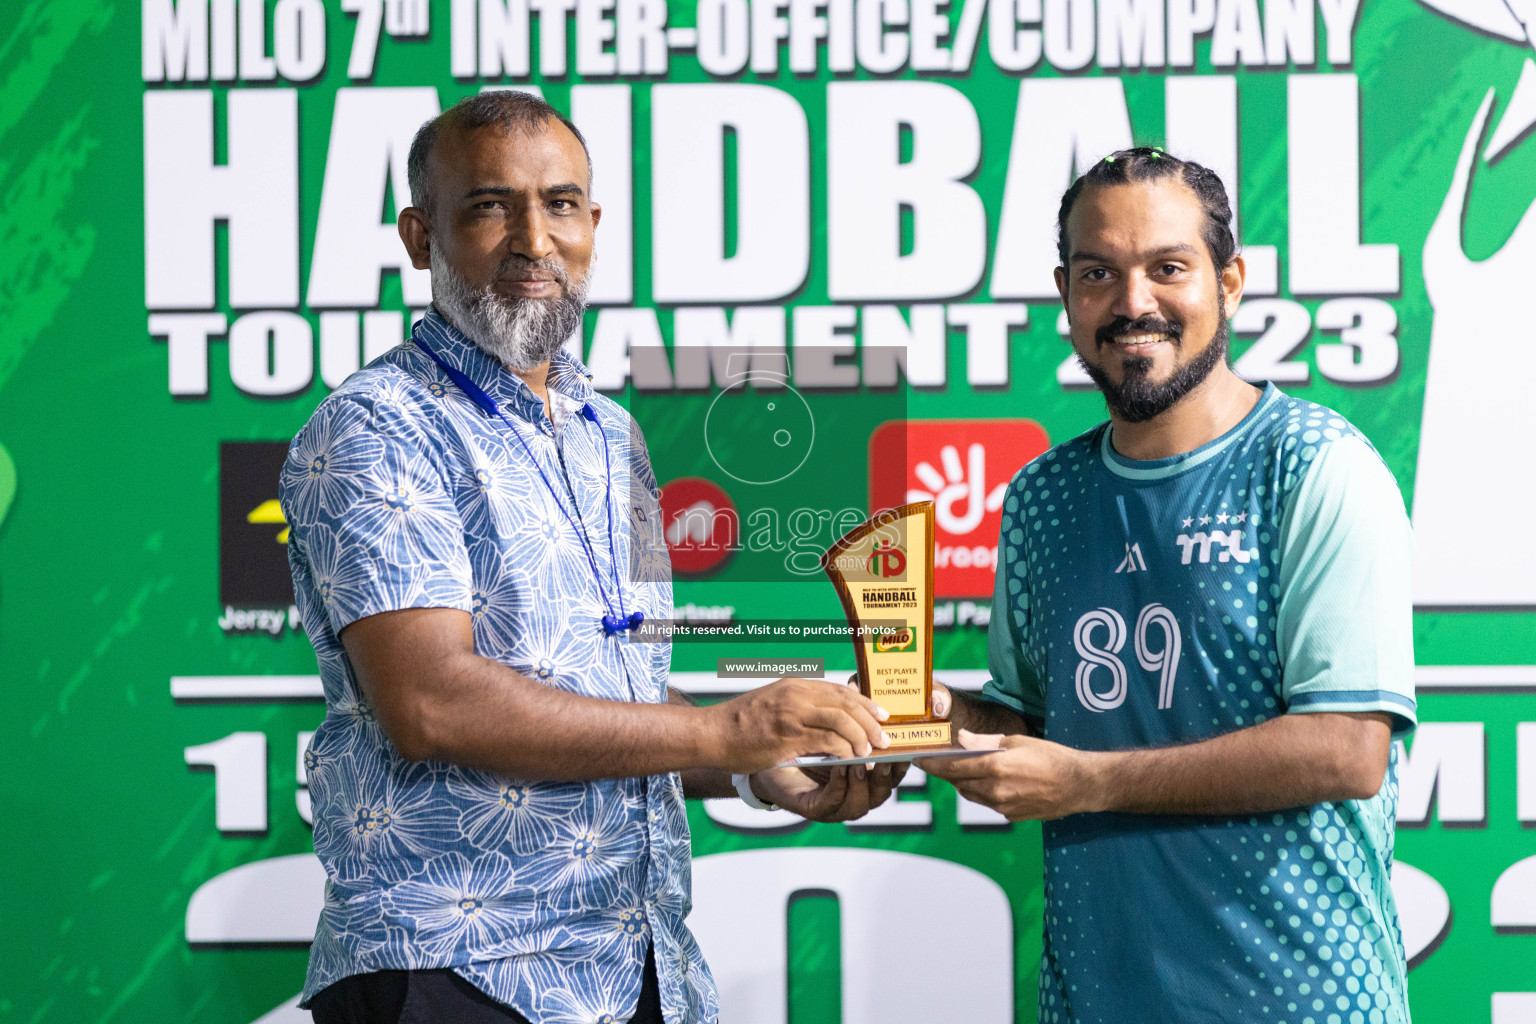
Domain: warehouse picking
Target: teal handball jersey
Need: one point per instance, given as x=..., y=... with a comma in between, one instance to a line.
x=1149, y=603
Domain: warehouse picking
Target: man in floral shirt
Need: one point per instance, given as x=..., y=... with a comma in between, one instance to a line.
x=498, y=784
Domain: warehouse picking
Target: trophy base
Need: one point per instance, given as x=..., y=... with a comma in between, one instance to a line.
x=909, y=741
x=936, y=733
x=884, y=756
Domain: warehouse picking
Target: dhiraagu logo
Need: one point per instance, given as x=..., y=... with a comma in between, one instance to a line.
x=893, y=641
x=963, y=466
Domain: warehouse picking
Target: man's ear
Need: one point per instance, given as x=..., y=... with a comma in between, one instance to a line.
x=1233, y=278
x=597, y=213
x=417, y=236
x=1061, y=287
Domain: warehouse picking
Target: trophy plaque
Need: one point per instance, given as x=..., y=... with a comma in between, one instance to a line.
x=883, y=571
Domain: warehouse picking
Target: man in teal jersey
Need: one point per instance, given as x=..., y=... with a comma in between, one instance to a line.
x=1200, y=651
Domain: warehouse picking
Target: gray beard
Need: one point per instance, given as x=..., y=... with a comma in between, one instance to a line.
x=520, y=334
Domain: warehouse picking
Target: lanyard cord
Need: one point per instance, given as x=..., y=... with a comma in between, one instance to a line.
x=612, y=624
x=591, y=414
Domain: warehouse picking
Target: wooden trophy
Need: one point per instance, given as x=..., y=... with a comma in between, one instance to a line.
x=883, y=571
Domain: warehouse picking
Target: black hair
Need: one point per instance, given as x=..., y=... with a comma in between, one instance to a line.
x=1148, y=163
x=506, y=109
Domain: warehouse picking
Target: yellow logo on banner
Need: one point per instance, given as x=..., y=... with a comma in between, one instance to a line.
x=270, y=511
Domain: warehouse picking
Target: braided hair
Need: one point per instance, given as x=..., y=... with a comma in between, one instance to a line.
x=1149, y=163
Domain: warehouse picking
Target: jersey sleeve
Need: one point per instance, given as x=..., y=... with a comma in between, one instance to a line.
x=372, y=525
x=1012, y=684
x=1345, y=614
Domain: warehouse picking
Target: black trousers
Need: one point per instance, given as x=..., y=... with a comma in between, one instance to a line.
x=440, y=997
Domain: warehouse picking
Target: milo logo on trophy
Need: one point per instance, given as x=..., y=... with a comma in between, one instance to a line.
x=883, y=572
x=896, y=640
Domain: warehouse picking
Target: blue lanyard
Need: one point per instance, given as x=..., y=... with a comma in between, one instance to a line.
x=612, y=624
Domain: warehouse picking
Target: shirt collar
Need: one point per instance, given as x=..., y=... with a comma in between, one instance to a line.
x=1157, y=469
x=567, y=374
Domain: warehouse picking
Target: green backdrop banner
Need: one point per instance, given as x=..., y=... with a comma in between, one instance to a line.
x=842, y=209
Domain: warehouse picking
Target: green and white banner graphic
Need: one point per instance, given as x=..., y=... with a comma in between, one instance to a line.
x=849, y=203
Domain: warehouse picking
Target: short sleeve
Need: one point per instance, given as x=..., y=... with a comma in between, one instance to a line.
x=1345, y=630
x=373, y=527
x=1012, y=684
x=640, y=458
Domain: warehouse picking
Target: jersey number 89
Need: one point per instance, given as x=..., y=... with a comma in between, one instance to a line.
x=1164, y=660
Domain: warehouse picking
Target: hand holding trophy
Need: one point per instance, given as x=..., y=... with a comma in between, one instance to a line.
x=883, y=572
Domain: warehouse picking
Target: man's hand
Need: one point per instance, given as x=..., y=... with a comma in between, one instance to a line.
x=842, y=793
x=794, y=718
x=943, y=701
x=1026, y=780
x=969, y=711
x=1291, y=760
x=438, y=700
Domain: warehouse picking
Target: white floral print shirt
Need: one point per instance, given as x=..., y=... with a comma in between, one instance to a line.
x=400, y=493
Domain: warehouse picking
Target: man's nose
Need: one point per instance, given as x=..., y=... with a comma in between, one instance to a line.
x=1135, y=297
x=528, y=233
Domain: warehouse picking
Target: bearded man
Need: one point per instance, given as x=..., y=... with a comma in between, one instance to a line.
x=1200, y=649
x=498, y=783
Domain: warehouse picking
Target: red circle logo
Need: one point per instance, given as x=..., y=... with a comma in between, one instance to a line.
x=700, y=523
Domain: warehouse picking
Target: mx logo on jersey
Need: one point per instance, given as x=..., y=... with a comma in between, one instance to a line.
x=963, y=467
x=253, y=538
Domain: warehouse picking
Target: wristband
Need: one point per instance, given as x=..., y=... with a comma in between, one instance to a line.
x=743, y=784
